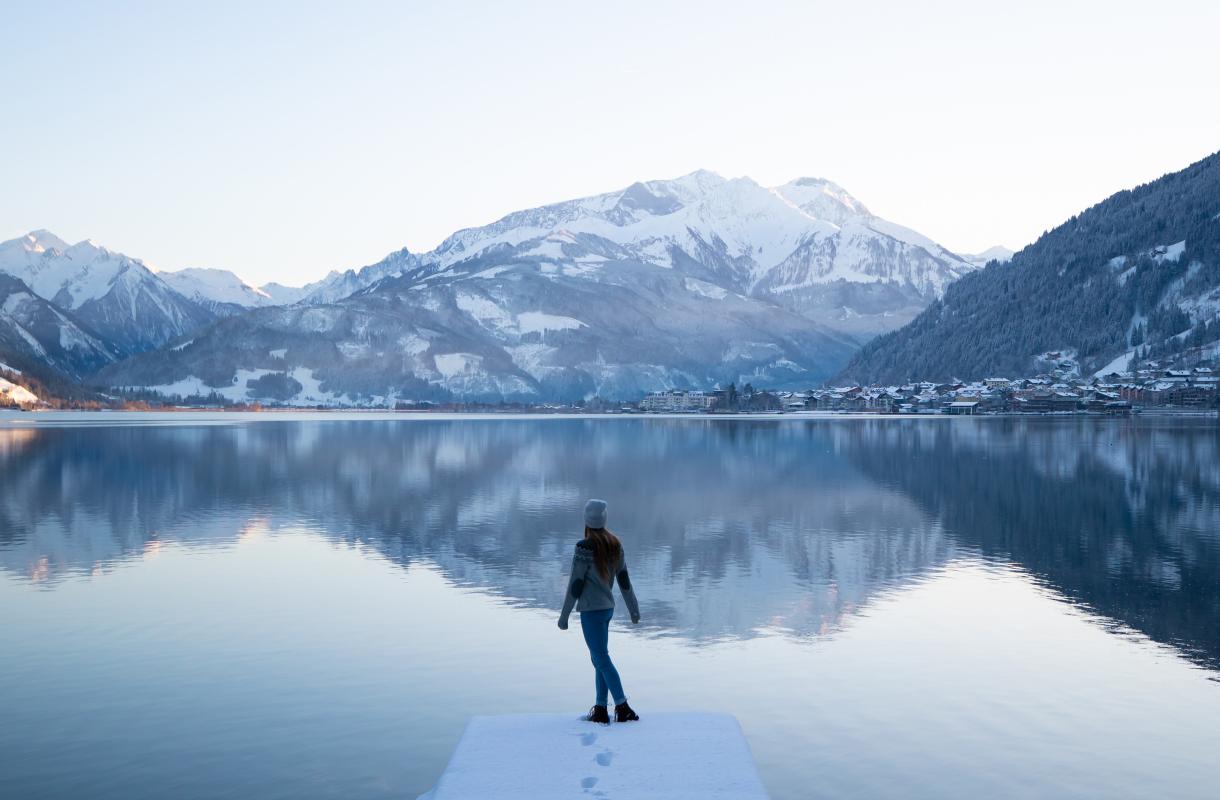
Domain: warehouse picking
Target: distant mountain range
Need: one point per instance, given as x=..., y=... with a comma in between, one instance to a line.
x=681, y=283
x=1134, y=278
x=114, y=297
x=676, y=283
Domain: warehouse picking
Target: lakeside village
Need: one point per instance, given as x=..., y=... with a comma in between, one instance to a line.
x=1063, y=393
x=1062, y=390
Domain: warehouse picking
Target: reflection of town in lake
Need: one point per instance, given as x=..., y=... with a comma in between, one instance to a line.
x=733, y=526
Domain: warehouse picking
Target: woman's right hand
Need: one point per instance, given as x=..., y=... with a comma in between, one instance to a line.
x=563, y=624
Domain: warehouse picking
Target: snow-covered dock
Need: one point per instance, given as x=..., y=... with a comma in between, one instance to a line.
x=677, y=756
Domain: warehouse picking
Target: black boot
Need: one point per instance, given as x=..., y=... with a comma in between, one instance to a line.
x=623, y=713
x=599, y=714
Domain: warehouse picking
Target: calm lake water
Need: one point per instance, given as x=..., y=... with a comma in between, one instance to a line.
x=312, y=606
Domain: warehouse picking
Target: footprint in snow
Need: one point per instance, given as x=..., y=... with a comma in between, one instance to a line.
x=605, y=757
x=588, y=783
x=588, y=738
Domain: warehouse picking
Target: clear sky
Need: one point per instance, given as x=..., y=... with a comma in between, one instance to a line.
x=282, y=140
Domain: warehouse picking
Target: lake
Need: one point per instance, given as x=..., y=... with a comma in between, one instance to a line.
x=311, y=606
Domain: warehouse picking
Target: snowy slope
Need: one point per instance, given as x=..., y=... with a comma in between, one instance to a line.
x=12, y=394
x=118, y=297
x=739, y=225
x=35, y=332
x=218, y=289
x=823, y=199
x=807, y=245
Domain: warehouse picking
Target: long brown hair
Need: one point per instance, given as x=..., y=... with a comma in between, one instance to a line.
x=607, y=550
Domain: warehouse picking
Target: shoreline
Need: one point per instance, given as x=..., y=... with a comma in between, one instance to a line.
x=14, y=418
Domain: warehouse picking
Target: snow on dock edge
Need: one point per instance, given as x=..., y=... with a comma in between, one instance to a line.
x=543, y=756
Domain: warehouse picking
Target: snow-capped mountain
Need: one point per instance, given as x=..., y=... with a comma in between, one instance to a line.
x=527, y=331
x=679, y=283
x=807, y=245
x=998, y=253
x=340, y=284
x=117, y=297
x=219, y=290
x=34, y=332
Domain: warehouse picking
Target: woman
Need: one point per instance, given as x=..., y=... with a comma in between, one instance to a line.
x=599, y=562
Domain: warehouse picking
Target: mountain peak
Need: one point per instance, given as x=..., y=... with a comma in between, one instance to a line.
x=700, y=181
x=823, y=199
x=702, y=175
x=210, y=285
x=42, y=240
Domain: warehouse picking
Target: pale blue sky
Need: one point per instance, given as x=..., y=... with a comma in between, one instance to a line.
x=282, y=140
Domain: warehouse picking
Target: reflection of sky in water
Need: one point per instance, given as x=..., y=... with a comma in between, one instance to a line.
x=312, y=610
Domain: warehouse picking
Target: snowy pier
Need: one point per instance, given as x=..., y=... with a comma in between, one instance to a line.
x=677, y=756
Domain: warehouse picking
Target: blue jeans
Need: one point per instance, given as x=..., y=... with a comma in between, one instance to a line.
x=596, y=627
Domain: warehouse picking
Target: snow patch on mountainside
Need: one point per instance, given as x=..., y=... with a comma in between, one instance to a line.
x=1170, y=253
x=705, y=289
x=14, y=394
x=1120, y=364
x=539, y=322
x=485, y=310
x=451, y=365
x=311, y=392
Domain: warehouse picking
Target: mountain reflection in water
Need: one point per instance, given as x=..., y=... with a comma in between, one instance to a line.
x=732, y=526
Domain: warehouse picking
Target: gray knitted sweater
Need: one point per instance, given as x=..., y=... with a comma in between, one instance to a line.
x=589, y=591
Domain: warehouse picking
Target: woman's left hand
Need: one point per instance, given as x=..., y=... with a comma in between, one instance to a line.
x=563, y=624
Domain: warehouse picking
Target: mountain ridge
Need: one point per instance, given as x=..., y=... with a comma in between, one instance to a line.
x=1134, y=277
x=682, y=283
x=116, y=296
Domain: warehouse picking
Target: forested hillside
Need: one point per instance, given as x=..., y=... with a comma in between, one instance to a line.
x=1135, y=277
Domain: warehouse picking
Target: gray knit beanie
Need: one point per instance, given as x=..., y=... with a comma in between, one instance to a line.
x=595, y=514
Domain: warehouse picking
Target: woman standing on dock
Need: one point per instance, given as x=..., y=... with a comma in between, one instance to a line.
x=596, y=565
